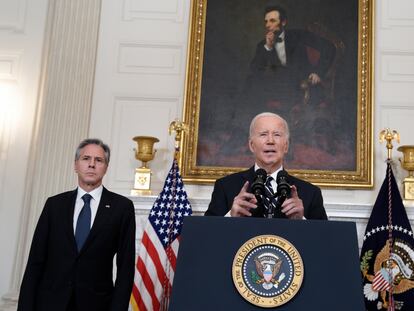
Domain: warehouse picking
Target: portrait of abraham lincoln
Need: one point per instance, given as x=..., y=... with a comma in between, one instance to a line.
x=295, y=58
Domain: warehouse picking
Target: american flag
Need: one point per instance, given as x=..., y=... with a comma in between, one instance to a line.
x=157, y=257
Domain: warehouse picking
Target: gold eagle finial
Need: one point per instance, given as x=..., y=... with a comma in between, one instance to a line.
x=389, y=135
x=179, y=127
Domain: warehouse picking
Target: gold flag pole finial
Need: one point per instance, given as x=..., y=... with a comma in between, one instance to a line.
x=389, y=136
x=179, y=127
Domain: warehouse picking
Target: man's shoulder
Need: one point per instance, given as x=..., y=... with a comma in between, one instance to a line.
x=295, y=31
x=297, y=34
x=60, y=201
x=311, y=38
x=63, y=195
x=116, y=196
x=232, y=176
x=235, y=176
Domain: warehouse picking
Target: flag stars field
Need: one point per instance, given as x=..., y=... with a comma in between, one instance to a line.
x=385, y=228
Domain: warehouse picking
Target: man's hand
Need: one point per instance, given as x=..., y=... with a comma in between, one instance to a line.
x=243, y=202
x=314, y=79
x=270, y=40
x=293, y=207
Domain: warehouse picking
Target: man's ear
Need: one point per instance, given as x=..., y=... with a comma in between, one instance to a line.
x=287, y=147
x=251, y=145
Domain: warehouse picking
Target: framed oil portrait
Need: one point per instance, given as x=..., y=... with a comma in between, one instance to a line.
x=319, y=78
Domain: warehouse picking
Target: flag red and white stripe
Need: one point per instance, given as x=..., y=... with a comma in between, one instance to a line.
x=157, y=256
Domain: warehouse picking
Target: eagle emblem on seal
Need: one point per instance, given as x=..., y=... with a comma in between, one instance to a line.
x=268, y=266
x=393, y=267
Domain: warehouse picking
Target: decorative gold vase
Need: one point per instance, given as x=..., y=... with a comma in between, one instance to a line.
x=144, y=152
x=407, y=162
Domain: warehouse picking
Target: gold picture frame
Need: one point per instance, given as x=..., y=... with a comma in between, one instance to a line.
x=212, y=108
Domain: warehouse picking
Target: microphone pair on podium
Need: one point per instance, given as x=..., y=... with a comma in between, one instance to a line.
x=282, y=193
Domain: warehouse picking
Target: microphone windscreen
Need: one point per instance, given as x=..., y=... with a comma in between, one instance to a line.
x=261, y=172
x=282, y=174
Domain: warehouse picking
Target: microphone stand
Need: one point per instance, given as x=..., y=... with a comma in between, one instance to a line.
x=271, y=211
x=280, y=198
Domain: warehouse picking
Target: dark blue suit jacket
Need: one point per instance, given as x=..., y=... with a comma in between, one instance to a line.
x=57, y=273
x=228, y=187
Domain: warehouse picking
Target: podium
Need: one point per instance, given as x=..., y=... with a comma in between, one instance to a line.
x=208, y=246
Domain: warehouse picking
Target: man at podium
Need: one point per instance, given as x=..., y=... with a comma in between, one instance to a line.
x=265, y=189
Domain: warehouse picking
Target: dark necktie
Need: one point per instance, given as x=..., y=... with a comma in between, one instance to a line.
x=83, y=225
x=269, y=200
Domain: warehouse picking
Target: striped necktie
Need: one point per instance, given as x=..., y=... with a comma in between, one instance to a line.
x=269, y=200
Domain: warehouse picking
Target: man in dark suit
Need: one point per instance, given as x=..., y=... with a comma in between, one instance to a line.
x=79, y=232
x=269, y=143
x=281, y=69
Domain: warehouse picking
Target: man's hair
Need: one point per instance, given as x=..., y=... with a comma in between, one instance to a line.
x=282, y=11
x=268, y=114
x=93, y=141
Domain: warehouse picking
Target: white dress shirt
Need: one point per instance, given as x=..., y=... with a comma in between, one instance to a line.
x=96, y=198
x=274, y=175
x=273, y=182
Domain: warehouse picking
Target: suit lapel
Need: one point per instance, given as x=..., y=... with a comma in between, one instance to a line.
x=102, y=215
x=291, y=179
x=69, y=208
x=249, y=176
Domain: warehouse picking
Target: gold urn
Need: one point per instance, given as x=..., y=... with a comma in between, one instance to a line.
x=144, y=152
x=407, y=162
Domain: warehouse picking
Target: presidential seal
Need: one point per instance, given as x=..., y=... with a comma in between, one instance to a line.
x=268, y=271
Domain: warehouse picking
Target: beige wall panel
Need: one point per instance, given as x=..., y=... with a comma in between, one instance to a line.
x=396, y=13
x=147, y=58
x=12, y=14
x=398, y=67
x=155, y=9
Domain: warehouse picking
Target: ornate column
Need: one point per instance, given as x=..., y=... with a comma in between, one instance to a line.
x=62, y=118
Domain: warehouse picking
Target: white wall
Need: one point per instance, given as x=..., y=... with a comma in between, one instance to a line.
x=139, y=89
x=139, y=85
x=22, y=24
x=394, y=75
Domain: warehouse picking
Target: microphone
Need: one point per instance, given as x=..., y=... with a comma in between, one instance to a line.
x=258, y=189
x=283, y=187
x=258, y=185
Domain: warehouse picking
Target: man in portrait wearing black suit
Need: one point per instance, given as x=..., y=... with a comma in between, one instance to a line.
x=70, y=265
x=269, y=143
x=282, y=67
